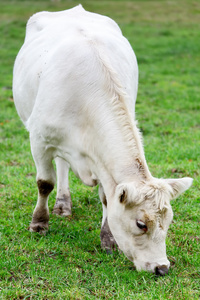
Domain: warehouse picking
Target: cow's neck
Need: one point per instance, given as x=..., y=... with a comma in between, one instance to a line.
x=124, y=160
x=119, y=141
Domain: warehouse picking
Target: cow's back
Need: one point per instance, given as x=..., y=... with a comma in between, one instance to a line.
x=60, y=55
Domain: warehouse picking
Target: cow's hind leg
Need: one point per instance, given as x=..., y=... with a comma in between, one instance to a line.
x=63, y=203
x=45, y=182
x=107, y=240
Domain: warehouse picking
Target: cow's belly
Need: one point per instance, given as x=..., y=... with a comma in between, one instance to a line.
x=81, y=165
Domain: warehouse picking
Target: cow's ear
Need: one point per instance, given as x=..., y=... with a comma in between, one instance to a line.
x=125, y=193
x=122, y=193
x=179, y=186
x=123, y=197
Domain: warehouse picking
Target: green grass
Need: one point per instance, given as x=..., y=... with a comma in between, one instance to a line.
x=68, y=262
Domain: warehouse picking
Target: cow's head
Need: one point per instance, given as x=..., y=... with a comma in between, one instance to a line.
x=140, y=217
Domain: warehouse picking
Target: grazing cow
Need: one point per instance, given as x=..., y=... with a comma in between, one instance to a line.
x=75, y=86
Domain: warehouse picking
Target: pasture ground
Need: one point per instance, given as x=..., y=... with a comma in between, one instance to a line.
x=68, y=262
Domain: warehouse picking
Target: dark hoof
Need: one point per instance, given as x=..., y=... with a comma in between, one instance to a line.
x=38, y=227
x=109, y=252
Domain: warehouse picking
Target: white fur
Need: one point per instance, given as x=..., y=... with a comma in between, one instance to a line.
x=75, y=86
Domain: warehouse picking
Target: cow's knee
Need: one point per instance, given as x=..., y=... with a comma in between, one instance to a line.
x=44, y=187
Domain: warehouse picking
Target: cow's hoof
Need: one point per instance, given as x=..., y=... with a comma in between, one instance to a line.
x=39, y=227
x=61, y=212
x=109, y=252
x=62, y=207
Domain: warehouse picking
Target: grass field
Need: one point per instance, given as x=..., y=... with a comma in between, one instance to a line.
x=68, y=262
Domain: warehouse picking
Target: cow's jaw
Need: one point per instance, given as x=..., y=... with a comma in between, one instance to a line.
x=152, y=261
x=144, y=259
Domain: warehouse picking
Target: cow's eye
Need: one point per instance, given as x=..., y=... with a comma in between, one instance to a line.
x=141, y=225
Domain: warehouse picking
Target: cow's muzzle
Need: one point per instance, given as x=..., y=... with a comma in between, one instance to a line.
x=161, y=270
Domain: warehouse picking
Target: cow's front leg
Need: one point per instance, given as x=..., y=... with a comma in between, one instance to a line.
x=40, y=218
x=45, y=182
x=107, y=240
x=63, y=203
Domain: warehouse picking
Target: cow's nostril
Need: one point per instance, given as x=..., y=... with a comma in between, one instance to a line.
x=161, y=270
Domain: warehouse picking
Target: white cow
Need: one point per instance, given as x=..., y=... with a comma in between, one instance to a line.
x=75, y=86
